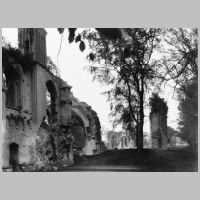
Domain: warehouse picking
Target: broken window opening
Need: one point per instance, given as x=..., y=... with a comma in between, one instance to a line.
x=14, y=156
x=4, y=80
x=13, y=84
x=51, y=113
x=48, y=98
x=78, y=131
x=48, y=117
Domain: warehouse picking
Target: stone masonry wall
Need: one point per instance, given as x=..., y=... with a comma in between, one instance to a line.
x=26, y=133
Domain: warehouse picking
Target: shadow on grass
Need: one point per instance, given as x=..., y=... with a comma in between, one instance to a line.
x=151, y=160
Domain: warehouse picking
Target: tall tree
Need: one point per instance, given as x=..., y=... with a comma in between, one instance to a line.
x=188, y=107
x=180, y=62
x=126, y=66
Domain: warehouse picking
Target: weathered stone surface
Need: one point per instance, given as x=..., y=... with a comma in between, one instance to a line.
x=33, y=125
x=158, y=129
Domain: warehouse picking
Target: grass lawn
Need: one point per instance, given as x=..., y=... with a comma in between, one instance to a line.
x=152, y=160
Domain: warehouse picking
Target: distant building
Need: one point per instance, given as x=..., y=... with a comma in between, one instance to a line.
x=113, y=139
x=146, y=140
x=127, y=141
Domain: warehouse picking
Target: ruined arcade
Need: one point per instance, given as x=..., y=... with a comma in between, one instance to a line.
x=40, y=113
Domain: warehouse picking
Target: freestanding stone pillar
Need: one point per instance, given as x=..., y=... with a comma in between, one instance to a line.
x=65, y=104
x=158, y=122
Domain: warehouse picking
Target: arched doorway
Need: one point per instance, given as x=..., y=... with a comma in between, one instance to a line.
x=14, y=155
x=51, y=96
x=78, y=131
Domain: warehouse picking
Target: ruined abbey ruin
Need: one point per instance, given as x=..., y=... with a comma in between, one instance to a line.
x=158, y=123
x=39, y=110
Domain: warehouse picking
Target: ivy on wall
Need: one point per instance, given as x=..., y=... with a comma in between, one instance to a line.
x=18, y=58
x=157, y=105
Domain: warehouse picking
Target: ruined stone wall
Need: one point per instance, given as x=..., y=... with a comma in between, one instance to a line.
x=26, y=126
x=42, y=77
x=65, y=103
x=27, y=98
x=33, y=41
x=18, y=127
x=20, y=132
x=114, y=139
x=158, y=130
x=158, y=122
x=5, y=161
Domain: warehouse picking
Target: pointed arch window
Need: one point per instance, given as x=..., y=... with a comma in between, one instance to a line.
x=13, y=84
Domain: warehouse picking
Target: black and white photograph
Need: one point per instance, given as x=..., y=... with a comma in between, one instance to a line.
x=99, y=100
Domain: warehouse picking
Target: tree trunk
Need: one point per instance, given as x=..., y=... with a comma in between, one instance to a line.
x=140, y=137
x=137, y=131
x=141, y=119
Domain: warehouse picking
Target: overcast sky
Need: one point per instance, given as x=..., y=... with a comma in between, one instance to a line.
x=71, y=62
